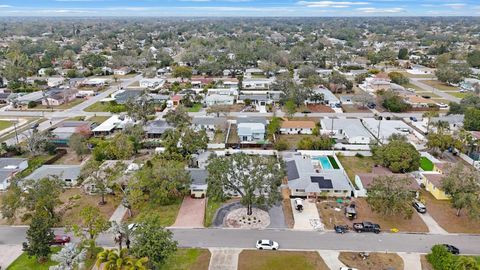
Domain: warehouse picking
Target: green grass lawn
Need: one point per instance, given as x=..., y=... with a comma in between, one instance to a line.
x=280, y=260
x=168, y=213
x=411, y=85
x=185, y=259
x=212, y=207
x=426, y=164
x=5, y=124
x=457, y=94
x=439, y=85
x=196, y=107
x=97, y=107
x=23, y=262
x=98, y=119
x=33, y=164
x=356, y=165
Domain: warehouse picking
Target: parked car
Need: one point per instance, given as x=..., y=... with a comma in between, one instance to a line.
x=347, y=268
x=298, y=203
x=351, y=212
x=366, y=226
x=341, y=228
x=419, y=206
x=413, y=118
x=61, y=239
x=267, y=244
x=452, y=249
x=371, y=105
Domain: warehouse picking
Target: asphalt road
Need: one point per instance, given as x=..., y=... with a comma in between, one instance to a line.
x=297, y=240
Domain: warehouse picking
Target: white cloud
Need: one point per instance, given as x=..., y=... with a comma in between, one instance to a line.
x=455, y=5
x=380, y=10
x=330, y=4
x=5, y=6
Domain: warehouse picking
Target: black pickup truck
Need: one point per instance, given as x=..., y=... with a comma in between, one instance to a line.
x=366, y=227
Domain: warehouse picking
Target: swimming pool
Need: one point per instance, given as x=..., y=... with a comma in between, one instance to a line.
x=324, y=162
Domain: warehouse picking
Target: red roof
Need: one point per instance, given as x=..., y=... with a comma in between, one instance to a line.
x=177, y=98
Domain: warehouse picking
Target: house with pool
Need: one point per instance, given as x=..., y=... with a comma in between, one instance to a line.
x=317, y=176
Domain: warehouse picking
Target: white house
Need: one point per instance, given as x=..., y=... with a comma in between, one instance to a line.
x=115, y=122
x=55, y=81
x=256, y=84
x=216, y=99
x=153, y=83
x=297, y=127
x=251, y=129
x=8, y=168
x=351, y=130
x=122, y=71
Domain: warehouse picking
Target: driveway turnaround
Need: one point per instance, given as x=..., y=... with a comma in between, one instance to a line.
x=8, y=254
x=191, y=213
x=303, y=220
x=224, y=258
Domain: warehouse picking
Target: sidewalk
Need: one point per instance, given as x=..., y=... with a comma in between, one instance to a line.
x=118, y=215
x=8, y=254
x=224, y=258
x=330, y=257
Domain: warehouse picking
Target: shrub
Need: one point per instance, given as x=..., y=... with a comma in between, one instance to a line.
x=32, y=104
x=440, y=258
x=281, y=145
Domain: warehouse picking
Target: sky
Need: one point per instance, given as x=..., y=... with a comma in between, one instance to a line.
x=230, y=8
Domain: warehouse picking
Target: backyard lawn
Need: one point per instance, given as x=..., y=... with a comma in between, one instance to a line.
x=280, y=260
x=439, y=85
x=5, y=124
x=375, y=261
x=426, y=164
x=195, y=108
x=355, y=165
x=24, y=262
x=188, y=259
x=292, y=140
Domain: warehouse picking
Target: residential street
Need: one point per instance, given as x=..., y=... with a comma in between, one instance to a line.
x=288, y=239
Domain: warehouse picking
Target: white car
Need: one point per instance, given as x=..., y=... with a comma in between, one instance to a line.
x=347, y=268
x=267, y=244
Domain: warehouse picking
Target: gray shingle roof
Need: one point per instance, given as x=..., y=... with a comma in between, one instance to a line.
x=62, y=171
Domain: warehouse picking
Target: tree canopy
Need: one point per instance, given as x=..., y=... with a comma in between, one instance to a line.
x=398, y=155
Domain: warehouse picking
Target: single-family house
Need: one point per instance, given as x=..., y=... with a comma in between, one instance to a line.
x=307, y=180
x=8, y=168
x=109, y=126
x=62, y=133
x=55, y=81
x=381, y=81
x=470, y=85
x=432, y=180
x=122, y=96
x=69, y=174
x=153, y=83
x=156, y=128
x=59, y=96
x=350, y=130
x=383, y=129
x=209, y=123
x=218, y=99
x=122, y=71
x=256, y=84
x=297, y=127
x=417, y=101
x=198, y=187
x=455, y=121
x=328, y=98
x=364, y=180
x=251, y=129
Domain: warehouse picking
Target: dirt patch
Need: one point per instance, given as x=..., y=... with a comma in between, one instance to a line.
x=425, y=264
x=293, y=140
x=280, y=260
x=354, y=109
x=75, y=200
x=287, y=208
x=445, y=215
x=320, y=108
x=356, y=165
x=375, y=261
x=70, y=158
x=364, y=212
x=238, y=218
x=330, y=216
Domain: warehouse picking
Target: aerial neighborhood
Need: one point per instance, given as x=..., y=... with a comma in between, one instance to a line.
x=134, y=144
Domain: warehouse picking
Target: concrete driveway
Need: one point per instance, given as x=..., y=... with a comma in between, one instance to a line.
x=191, y=213
x=303, y=219
x=8, y=254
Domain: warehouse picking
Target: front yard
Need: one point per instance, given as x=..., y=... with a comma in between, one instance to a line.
x=375, y=261
x=25, y=262
x=439, y=85
x=191, y=259
x=64, y=106
x=167, y=213
x=280, y=260
x=75, y=200
x=195, y=108
x=445, y=215
x=4, y=124
x=332, y=213
x=212, y=207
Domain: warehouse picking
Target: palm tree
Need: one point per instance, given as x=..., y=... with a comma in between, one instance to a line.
x=429, y=116
x=123, y=233
x=114, y=260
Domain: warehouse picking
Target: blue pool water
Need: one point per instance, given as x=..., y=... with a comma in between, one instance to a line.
x=324, y=162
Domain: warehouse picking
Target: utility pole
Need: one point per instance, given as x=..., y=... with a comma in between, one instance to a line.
x=378, y=132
